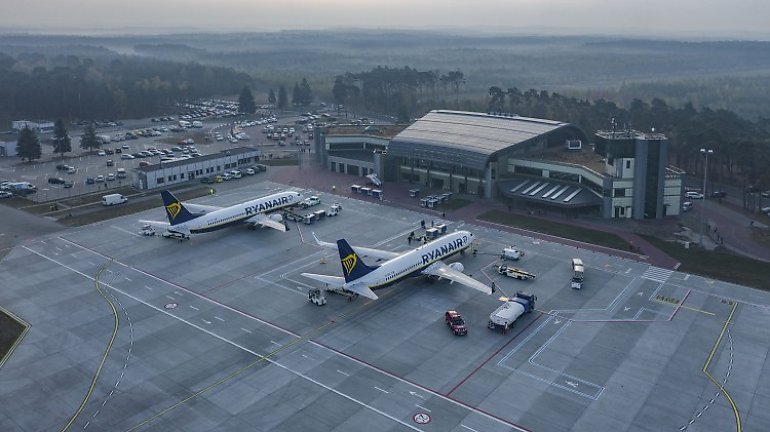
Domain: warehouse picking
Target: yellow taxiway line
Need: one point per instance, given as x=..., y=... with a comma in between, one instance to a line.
x=721, y=388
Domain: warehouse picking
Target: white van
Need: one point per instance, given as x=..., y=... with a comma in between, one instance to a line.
x=113, y=199
x=236, y=174
x=121, y=173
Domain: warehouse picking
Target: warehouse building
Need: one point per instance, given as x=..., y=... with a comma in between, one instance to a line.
x=164, y=174
x=529, y=163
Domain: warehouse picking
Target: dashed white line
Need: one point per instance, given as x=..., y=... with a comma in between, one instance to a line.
x=469, y=428
x=218, y=318
x=170, y=298
x=246, y=330
x=384, y=391
x=275, y=343
x=422, y=408
x=128, y=279
x=194, y=308
x=148, y=287
x=343, y=373
x=207, y=322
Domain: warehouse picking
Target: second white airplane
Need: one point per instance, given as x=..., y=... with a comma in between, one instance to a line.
x=257, y=212
x=425, y=260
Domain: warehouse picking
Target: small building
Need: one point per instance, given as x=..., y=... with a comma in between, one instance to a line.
x=164, y=174
x=8, y=148
x=38, y=126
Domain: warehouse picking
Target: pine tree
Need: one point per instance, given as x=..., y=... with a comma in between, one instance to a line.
x=28, y=145
x=271, y=97
x=283, y=99
x=88, y=140
x=246, y=104
x=306, y=94
x=61, y=140
x=296, y=97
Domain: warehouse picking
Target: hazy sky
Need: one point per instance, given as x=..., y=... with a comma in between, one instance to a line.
x=693, y=18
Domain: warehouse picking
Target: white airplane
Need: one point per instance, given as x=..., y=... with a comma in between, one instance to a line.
x=425, y=260
x=182, y=222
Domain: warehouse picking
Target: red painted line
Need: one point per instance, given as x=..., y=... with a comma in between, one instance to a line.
x=194, y=293
x=680, y=305
x=492, y=356
x=427, y=389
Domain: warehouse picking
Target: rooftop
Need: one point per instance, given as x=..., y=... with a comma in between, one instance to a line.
x=630, y=134
x=235, y=151
x=471, y=138
x=583, y=157
x=378, y=131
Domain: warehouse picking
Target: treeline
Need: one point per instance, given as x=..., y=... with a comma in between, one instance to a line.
x=741, y=146
x=397, y=91
x=70, y=87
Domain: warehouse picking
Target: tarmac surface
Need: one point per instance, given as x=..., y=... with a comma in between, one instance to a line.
x=138, y=333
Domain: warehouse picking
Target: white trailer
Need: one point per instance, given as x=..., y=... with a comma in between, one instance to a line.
x=511, y=253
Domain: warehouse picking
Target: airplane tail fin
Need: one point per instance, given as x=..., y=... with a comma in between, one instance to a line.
x=352, y=266
x=175, y=210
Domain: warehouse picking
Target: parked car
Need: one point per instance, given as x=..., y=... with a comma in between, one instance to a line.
x=765, y=194
x=718, y=194
x=110, y=162
x=693, y=195
x=110, y=176
x=90, y=180
x=686, y=206
x=56, y=180
x=101, y=153
x=99, y=178
x=5, y=194
x=126, y=156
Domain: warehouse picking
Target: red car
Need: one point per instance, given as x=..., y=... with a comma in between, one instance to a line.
x=456, y=323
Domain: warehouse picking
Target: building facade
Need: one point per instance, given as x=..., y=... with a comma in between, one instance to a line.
x=169, y=173
x=529, y=163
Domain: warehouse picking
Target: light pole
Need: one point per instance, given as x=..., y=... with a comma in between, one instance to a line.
x=705, y=152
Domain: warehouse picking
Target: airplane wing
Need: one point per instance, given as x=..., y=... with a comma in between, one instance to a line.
x=361, y=251
x=444, y=271
x=264, y=220
x=335, y=281
x=156, y=224
x=201, y=208
x=362, y=290
x=339, y=282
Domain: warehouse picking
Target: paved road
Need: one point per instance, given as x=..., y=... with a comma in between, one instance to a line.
x=312, y=176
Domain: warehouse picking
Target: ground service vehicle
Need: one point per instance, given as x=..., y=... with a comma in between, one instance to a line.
x=334, y=210
x=456, y=323
x=113, y=199
x=506, y=315
x=515, y=273
x=577, y=273
x=511, y=253
x=310, y=202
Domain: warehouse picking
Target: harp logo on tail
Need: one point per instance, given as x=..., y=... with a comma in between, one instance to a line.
x=173, y=209
x=349, y=262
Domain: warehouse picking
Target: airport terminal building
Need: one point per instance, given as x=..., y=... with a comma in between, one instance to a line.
x=527, y=162
x=179, y=171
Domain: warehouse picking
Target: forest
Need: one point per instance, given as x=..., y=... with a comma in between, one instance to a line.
x=700, y=93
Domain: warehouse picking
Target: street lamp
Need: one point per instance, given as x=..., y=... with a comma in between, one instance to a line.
x=705, y=152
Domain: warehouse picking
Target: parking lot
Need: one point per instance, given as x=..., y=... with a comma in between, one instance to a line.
x=217, y=334
x=91, y=166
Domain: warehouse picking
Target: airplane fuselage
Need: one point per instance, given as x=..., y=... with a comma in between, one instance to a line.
x=413, y=262
x=237, y=214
